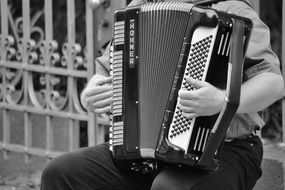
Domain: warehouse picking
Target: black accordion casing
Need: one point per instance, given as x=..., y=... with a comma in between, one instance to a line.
x=155, y=46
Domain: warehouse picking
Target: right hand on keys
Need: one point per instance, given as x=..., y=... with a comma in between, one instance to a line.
x=98, y=94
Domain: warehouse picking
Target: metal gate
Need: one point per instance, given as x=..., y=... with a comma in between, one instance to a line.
x=47, y=52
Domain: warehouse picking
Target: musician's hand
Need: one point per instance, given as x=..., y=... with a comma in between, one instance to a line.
x=98, y=94
x=205, y=100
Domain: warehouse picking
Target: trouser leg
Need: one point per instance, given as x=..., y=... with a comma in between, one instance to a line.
x=90, y=168
x=93, y=168
x=239, y=170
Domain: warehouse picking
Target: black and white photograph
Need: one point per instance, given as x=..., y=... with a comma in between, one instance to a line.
x=142, y=95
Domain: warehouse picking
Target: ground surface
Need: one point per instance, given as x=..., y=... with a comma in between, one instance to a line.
x=23, y=182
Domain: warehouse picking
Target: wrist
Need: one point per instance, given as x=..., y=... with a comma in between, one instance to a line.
x=223, y=99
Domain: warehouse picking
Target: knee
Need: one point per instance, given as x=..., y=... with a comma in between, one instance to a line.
x=158, y=184
x=176, y=178
x=164, y=181
x=57, y=167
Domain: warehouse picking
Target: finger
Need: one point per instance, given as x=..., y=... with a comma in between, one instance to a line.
x=186, y=109
x=187, y=102
x=189, y=115
x=186, y=94
x=103, y=103
x=195, y=82
x=105, y=80
x=103, y=110
x=98, y=89
x=98, y=97
x=95, y=79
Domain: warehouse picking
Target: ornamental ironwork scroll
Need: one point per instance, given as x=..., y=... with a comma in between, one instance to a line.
x=47, y=52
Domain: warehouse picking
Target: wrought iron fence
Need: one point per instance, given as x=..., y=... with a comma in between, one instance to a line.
x=42, y=73
x=42, y=76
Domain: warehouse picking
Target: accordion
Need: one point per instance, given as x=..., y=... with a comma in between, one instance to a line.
x=155, y=47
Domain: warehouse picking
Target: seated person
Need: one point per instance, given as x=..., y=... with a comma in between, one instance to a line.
x=94, y=167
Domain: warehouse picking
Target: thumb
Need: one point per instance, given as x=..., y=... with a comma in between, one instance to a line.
x=196, y=83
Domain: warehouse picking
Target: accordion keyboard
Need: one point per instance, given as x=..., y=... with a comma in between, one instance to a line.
x=116, y=67
x=197, y=65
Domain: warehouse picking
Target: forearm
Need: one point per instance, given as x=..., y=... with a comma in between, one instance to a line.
x=260, y=91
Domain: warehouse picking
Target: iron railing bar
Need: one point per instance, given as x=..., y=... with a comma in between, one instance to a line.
x=91, y=33
x=4, y=34
x=12, y=25
x=43, y=69
x=25, y=58
x=30, y=109
x=4, y=18
x=52, y=113
x=49, y=38
x=283, y=68
x=71, y=36
x=30, y=151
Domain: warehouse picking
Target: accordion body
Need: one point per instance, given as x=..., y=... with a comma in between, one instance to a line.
x=155, y=46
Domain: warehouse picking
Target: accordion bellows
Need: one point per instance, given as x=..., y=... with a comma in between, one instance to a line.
x=155, y=46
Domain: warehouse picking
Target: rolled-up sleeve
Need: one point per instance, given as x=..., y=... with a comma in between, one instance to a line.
x=102, y=63
x=260, y=56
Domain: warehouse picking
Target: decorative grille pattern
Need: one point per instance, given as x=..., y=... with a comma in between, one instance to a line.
x=45, y=61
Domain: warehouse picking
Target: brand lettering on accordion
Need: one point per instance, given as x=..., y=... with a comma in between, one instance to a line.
x=132, y=44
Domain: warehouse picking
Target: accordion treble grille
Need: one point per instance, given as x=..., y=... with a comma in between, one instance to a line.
x=201, y=139
x=162, y=35
x=224, y=45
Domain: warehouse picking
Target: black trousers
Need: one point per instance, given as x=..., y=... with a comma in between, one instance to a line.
x=93, y=168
